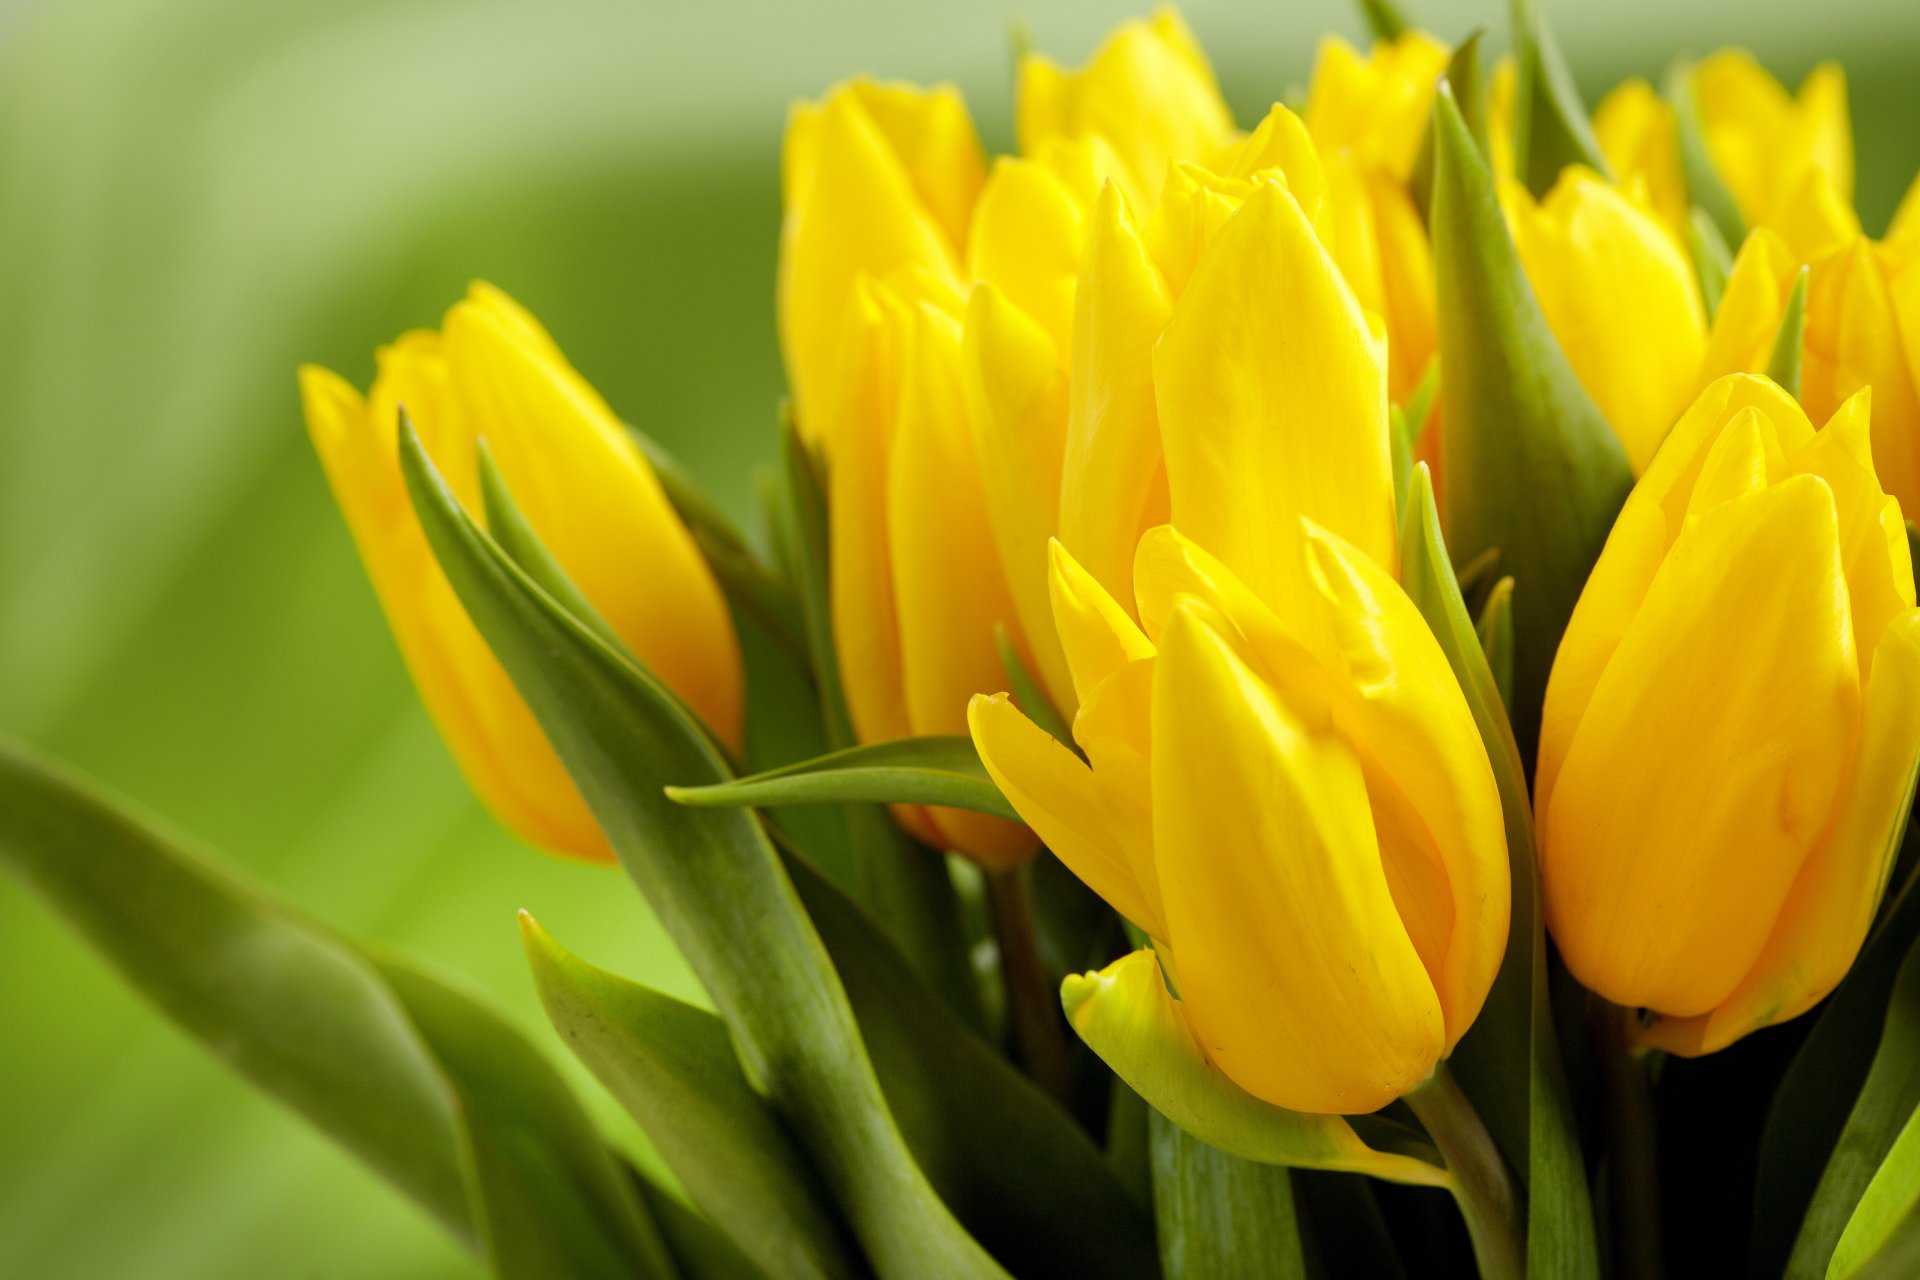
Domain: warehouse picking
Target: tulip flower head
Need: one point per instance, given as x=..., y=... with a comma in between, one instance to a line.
x=1732, y=723
x=492, y=373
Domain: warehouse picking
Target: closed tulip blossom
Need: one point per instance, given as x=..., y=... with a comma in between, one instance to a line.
x=1732, y=723
x=491, y=373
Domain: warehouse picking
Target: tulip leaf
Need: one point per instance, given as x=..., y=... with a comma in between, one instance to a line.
x=906, y=885
x=1513, y=1038
x=1495, y=630
x=426, y=1085
x=1897, y=1259
x=1810, y=1107
x=1466, y=77
x=715, y=883
x=741, y=572
x=672, y=1066
x=1550, y=126
x=1419, y=406
x=935, y=770
x=1783, y=366
x=1705, y=189
x=1126, y=1015
x=1022, y=1175
x=1026, y=690
x=1880, y=1112
x=1532, y=467
x=1712, y=259
x=1221, y=1217
x=1384, y=19
x=701, y=1249
x=1400, y=440
x=1891, y=1198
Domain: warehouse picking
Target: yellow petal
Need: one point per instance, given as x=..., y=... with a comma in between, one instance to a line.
x=1906, y=218
x=1699, y=779
x=480, y=715
x=1741, y=339
x=1620, y=298
x=1898, y=457
x=1376, y=106
x=1026, y=238
x=853, y=209
x=1061, y=800
x=1016, y=398
x=1854, y=340
x=595, y=503
x=1833, y=899
x=931, y=133
x=1298, y=977
x=1113, y=431
x=1281, y=143
x=1813, y=218
x=1096, y=634
x=1636, y=131
x=949, y=589
x=1272, y=399
x=1436, y=807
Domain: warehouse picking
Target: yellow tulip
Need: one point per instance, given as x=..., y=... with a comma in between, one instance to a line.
x=1732, y=723
x=1765, y=145
x=492, y=373
x=1637, y=134
x=1375, y=107
x=877, y=180
x=1619, y=296
x=1334, y=906
x=1149, y=92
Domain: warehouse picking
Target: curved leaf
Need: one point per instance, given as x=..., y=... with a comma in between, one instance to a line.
x=1384, y=19
x=1514, y=1034
x=1783, y=365
x=672, y=1066
x=1221, y=1218
x=1495, y=630
x=935, y=770
x=427, y=1086
x=1888, y=1202
x=712, y=878
x=1550, y=125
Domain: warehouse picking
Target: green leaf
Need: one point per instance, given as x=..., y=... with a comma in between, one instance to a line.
x=1419, y=405
x=1898, y=1258
x=715, y=883
x=427, y=1086
x=1026, y=690
x=1017, y=1169
x=1705, y=189
x=1889, y=1201
x=1220, y=1217
x=1513, y=1038
x=1783, y=366
x=1384, y=19
x=1712, y=259
x=1400, y=439
x=742, y=574
x=1467, y=79
x=672, y=1066
x=1811, y=1106
x=1885, y=1104
x=1532, y=467
x=1550, y=126
x=937, y=770
x=1495, y=630
x=702, y=1250
x=906, y=885
x=1127, y=1016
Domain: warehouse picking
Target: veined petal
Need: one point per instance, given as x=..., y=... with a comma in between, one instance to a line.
x=1426, y=767
x=1113, y=430
x=1095, y=632
x=1699, y=780
x=1295, y=971
x=1016, y=398
x=1272, y=398
x=1832, y=901
x=480, y=715
x=1061, y=800
x=595, y=503
x=949, y=588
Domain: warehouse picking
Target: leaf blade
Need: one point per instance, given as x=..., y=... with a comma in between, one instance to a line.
x=933, y=770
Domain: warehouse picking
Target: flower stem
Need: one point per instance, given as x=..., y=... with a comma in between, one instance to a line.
x=1481, y=1184
x=1632, y=1146
x=1033, y=1010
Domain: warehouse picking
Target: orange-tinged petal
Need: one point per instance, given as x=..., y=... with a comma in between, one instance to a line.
x=1272, y=398
x=1064, y=803
x=1113, y=430
x=1436, y=807
x=1699, y=780
x=949, y=590
x=1298, y=977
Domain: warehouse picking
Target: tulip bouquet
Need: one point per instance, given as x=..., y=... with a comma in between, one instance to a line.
x=1333, y=699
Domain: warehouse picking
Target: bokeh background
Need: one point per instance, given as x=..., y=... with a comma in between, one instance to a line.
x=197, y=195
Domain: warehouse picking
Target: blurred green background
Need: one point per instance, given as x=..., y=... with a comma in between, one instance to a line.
x=197, y=195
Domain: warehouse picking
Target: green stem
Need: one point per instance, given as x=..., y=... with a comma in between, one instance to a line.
x=1632, y=1141
x=1033, y=1010
x=1481, y=1184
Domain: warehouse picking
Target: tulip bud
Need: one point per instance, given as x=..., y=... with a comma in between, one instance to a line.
x=1636, y=130
x=1335, y=902
x=1732, y=723
x=491, y=372
x=1763, y=143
